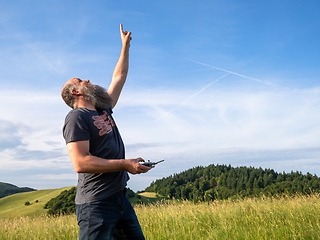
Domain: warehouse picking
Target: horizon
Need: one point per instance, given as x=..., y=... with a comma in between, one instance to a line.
x=174, y=174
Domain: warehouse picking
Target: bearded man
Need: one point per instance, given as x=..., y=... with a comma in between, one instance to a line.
x=97, y=153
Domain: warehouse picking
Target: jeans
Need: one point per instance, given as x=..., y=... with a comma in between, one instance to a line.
x=111, y=219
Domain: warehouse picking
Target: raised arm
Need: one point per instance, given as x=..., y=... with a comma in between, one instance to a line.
x=121, y=70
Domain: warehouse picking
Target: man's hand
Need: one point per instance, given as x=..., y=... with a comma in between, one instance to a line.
x=134, y=167
x=125, y=37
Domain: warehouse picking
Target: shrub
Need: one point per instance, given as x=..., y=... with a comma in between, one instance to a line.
x=62, y=204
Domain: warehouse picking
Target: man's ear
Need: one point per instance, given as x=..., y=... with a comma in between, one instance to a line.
x=74, y=92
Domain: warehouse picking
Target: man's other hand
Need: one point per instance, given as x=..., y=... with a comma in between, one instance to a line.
x=134, y=167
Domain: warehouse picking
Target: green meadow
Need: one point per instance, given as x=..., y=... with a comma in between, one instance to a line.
x=285, y=217
x=14, y=205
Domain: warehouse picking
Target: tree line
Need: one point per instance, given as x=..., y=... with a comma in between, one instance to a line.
x=7, y=189
x=223, y=182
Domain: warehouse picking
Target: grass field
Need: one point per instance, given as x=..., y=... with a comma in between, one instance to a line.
x=295, y=217
x=264, y=218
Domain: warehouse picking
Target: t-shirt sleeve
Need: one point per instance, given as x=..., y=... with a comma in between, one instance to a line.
x=76, y=128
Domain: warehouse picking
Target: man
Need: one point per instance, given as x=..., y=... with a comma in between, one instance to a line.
x=97, y=153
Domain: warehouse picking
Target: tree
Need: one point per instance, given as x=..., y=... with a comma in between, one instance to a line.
x=64, y=203
x=210, y=195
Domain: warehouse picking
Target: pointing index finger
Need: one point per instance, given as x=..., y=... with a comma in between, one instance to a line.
x=121, y=28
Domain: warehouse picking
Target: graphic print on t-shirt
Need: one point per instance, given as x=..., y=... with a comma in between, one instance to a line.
x=103, y=122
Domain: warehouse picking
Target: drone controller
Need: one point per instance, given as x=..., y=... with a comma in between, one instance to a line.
x=151, y=164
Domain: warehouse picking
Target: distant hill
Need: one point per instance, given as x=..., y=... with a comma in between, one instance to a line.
x=15, y=205
x=223, y=182
x=7, y=189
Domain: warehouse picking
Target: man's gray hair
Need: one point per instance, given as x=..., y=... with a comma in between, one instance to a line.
x=67, y=96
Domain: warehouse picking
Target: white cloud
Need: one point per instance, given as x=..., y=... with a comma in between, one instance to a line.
x=37, y=118
x=64, y=176
x=281, y=118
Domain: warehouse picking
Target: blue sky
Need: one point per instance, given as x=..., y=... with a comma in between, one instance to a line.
x=222, y=82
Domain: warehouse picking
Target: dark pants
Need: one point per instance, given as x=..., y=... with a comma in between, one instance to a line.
x=112, y=218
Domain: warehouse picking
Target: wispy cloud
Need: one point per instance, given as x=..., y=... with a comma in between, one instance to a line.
x=220, y=125
x=193, y=95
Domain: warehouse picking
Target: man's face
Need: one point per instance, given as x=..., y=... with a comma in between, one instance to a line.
x=96, y=94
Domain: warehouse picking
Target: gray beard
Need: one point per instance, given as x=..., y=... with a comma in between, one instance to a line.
x=98, y=96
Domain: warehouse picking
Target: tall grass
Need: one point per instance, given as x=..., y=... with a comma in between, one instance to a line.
x=295, y=217
x=41, y=227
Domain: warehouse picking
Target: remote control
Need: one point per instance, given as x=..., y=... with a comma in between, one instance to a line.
x=151, y=164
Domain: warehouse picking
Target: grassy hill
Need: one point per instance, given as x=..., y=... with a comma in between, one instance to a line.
x=14, y=205
x=146, y=197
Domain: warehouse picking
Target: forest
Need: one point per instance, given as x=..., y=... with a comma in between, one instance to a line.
x=223, y=182
x=7, y=189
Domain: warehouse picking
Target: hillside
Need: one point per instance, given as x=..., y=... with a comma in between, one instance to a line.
x=14, y=205
x=7, y=189
x=223, y=182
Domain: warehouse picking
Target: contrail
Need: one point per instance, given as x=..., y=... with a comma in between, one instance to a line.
x=204, y=88
x=234, y=73
x=195, y=94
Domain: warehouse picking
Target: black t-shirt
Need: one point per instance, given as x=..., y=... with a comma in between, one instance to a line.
x=105, y=142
